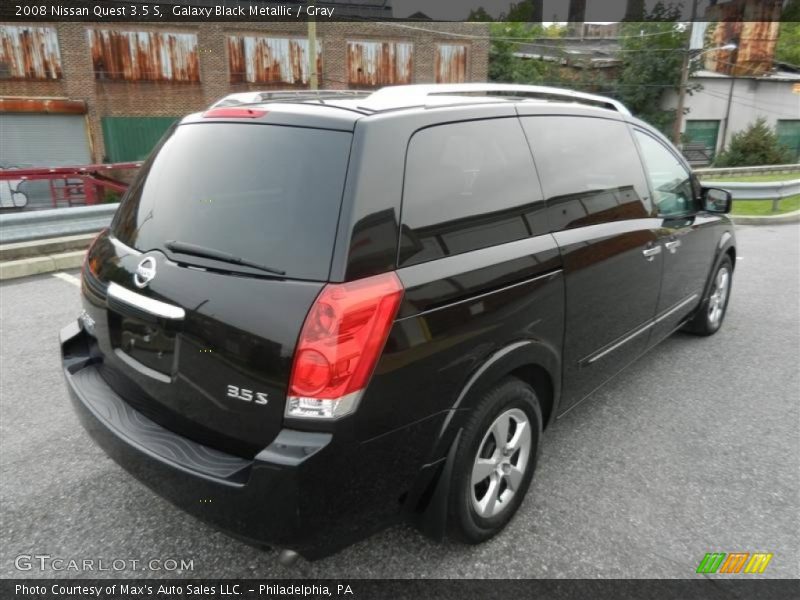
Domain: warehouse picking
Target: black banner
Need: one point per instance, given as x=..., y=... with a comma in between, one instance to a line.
x=411, y=589
x=419, y=11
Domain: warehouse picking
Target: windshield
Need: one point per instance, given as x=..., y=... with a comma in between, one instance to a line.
x=268, y=194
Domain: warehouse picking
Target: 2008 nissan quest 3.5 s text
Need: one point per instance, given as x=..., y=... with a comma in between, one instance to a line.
x=313, y=314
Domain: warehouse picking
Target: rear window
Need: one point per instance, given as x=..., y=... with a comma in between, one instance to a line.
x=269, y=194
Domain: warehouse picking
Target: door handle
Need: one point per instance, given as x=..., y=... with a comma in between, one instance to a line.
x=673, y=246
x=650, y=253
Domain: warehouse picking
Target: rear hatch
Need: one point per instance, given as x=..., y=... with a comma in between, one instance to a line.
x=199, y=290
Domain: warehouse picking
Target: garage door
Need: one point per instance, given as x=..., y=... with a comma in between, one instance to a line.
x=30, y=140
x=37, y=140
x=132, y=138
x=703, y=132
x=788, y=131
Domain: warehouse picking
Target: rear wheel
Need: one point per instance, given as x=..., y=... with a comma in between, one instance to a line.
x=495, y=461
x=709, y=318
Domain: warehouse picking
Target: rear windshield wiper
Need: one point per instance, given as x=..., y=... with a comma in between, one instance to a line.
x=195, y=250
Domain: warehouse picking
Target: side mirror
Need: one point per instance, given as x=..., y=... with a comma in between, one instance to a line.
x=717, y=200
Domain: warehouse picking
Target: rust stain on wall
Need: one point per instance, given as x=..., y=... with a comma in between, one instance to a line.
x=29, y=53
x=373, y=64
x=450, y=63
x=144, y=55
x=753, y=26
x=270, y=60
x=61, y=106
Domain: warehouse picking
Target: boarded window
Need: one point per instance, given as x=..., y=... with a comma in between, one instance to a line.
x=268, y=60
x=144, y=55
x=29, y=53
x=451, y=63
x=373, y=64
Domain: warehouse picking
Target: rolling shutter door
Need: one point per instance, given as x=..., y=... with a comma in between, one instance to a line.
x=35, y=140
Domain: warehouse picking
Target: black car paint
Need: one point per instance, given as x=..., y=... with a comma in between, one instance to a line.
x=525, y=308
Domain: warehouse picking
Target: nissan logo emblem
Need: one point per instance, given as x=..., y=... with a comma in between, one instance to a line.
x=145, y=272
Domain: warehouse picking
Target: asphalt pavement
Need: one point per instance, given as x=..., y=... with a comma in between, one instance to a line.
x=693, y=449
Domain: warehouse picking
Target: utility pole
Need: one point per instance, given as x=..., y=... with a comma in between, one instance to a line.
x=676, y=131
x=313, y=83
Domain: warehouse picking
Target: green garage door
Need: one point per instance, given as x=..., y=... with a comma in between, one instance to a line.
x=789, y=135
x=132, y=138
x=703, y=132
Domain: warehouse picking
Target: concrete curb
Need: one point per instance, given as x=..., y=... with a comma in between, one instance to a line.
x=36, y=265
x=19, y=250
x=792, y=217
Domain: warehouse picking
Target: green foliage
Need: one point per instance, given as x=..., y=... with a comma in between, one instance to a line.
x=788, y=47
x=652, y=55
x=756, y=145
x=521, y=11
x=507, y=68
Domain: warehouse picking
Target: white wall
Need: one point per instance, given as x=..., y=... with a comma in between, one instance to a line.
x=752, y=98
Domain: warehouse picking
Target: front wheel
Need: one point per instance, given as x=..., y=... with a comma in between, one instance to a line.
x=709, y=318
x=495, y=460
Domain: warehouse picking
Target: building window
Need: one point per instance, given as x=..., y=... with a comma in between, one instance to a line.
x=374, y=64
x=29, y=53
x=270, y=60
x=703, y=132
x=144, y=55
x=450, y=65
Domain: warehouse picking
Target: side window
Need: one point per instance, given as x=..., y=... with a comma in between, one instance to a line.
x=468, y=186
x=590, y=170
x=671, y=182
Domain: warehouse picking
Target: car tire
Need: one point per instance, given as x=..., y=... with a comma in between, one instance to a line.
x=480, y=507
x=712, y=310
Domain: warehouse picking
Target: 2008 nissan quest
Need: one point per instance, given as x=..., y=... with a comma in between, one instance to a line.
x=314, y=314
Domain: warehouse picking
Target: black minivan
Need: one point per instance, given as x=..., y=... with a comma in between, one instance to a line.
x=313, y=315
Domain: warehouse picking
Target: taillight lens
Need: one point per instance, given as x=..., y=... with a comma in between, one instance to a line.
x=343, y=335
x=94, y=264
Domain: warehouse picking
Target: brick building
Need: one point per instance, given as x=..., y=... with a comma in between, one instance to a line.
x=72, y=93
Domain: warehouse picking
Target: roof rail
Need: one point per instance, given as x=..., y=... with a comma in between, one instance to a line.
x=416, y=95
x=257, y=96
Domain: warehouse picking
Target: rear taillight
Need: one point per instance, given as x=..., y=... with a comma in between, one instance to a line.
x=343, y=335
x=94, y=264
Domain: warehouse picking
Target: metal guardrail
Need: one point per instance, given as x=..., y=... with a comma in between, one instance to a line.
x=57, y=222
x=759, y=190
x=757, y=170
x=42, y=224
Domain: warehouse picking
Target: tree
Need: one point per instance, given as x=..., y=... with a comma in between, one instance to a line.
x=788, y=47
x=507, y=68
x=756, y=145
x=652, y=54
x=479, y=14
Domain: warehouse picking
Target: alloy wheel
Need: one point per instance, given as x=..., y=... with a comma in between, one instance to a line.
x=719, y=295
x=500, y=463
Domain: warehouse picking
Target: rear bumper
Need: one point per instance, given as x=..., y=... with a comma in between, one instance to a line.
x=305, y=491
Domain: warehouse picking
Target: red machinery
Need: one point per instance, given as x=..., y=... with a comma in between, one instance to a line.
x=79, y=185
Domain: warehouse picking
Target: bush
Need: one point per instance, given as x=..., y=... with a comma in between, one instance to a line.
x=756, y=145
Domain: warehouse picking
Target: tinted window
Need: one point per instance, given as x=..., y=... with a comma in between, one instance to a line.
x=589, y=168
x=468, y=186
x=670, y=181
x=266, y=193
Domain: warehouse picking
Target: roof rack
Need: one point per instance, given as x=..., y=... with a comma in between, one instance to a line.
x=259, y=96
x=417, y=95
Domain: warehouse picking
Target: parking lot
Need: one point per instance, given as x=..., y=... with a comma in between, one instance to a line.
x=693, y=449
